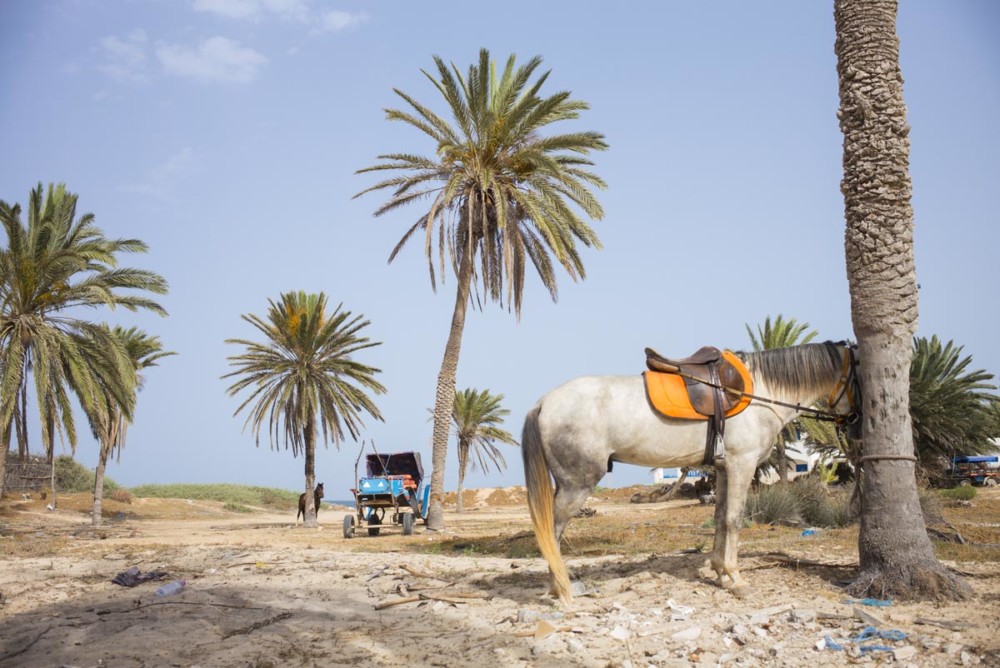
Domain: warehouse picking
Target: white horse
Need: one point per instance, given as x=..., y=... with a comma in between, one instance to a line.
x=575, y=431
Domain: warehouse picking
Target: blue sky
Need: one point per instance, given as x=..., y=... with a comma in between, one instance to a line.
x=226, y=134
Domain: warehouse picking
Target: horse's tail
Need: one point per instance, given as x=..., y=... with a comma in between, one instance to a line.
x=538, y=484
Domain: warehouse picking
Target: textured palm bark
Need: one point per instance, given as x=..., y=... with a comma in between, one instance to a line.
x=309, y=432
x=897, y=558
x=463, y=460
x=5, y=444
x=444, y=400
x=96, y=513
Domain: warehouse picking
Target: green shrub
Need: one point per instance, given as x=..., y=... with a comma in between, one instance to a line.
x=822, y=506
x=773, y=504
x=71, y=476
x=245, y=495
x=966, y=493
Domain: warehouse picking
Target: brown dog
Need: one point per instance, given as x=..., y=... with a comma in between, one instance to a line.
x=318, y=495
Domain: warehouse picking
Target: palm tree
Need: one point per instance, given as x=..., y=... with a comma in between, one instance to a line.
x=501, y=195
x=304, y=377
x=110, y=420
x=897, y=558
x=782, y=334
x=50, y=267
x=476, y=416
x=953, y=409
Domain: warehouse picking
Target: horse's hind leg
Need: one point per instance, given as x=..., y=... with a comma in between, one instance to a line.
x=567, y=502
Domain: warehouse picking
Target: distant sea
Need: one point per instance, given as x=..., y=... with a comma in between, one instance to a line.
x=340, y=502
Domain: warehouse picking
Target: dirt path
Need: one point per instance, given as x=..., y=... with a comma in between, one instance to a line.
x=263, y=593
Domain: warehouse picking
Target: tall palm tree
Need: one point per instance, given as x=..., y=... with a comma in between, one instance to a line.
x=304, y=377
x=501, y=195
x=954, y=409
x=782, y=334
x=49, y=268
x=897, y=558
x=110, y=420
x=477, y=416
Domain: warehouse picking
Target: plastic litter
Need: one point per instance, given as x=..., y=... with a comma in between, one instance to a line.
x=867, y=633
x=171, y=588
x=870, y=632
x=875, y=602
x=811, y=531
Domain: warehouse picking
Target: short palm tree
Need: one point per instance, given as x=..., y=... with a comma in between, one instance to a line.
x=953, y=409
x=110, y=419
x=783, y=334
x=304, y=377
x=476, y=417
x=501, y=195
x=51, y=266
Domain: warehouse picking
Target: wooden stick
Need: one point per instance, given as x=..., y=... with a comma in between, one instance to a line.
x=414, y=572
x=943, y=623
x=399, y=601
x=256, y=625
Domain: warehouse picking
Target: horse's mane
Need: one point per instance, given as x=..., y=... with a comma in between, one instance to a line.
x=809, y=368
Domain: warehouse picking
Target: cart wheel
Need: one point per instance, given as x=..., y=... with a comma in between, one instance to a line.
x=408, y=524
x=373, y=519
x=991, y=482
x=348, y=526
x=964, y=483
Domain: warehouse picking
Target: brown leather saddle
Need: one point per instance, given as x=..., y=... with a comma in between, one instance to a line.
x=717, y=385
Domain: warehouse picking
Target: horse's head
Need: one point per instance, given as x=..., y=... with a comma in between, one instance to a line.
x=845, y=397
x=319, y=491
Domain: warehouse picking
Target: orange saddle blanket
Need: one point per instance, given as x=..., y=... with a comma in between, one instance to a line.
x=668, y=395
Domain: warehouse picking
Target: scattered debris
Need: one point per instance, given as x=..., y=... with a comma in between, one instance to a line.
x=132, y=577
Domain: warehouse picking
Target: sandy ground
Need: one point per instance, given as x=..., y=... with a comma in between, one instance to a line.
x=261, y=592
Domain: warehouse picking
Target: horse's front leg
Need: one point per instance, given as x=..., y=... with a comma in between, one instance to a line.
x=731, y=484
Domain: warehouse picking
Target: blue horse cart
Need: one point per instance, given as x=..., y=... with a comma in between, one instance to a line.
x=393, y=492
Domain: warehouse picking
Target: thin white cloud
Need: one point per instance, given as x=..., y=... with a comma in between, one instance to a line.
x=254, y=10
x=161, y=182
x=300, y=11
x=125, y=59
x=337, y=20
x=217, y=59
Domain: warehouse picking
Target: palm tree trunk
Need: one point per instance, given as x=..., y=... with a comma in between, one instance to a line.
x=782, y=461
x=444, y=399
x=463, y=460
x=5, y=444
x=309, y=433
x=102, y=461
x=897, y=559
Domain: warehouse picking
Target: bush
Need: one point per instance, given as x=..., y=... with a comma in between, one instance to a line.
x=773, y=504
x=73, y=477
x=121, y=495
x=821, y=506
x=966, y=493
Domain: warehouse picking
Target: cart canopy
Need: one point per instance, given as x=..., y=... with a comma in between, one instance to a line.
x=395, y=464
x=979, y=459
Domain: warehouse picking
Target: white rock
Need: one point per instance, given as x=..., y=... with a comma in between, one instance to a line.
x=620, y=633
x=690, y=633
x=573, y=645
x=904, y=653
x=802, y=616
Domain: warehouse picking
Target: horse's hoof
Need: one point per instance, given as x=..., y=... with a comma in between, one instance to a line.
x=741, y=591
